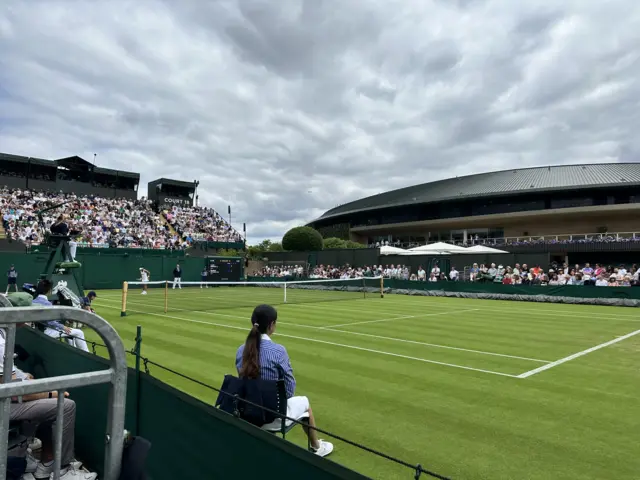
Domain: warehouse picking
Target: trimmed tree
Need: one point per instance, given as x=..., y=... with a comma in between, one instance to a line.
x=302, y=239
x=334, y=242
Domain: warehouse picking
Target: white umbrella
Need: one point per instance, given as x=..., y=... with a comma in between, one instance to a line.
x=483, y=249
x=388, y=250
x=439, y=247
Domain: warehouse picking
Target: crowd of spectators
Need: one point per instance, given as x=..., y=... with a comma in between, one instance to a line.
x=201, y=224
x=600, y=275
x=95, y=221
x=107, y=222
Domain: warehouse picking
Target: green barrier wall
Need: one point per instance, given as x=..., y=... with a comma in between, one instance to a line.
x=189, y=438
x=573, y=291
x=106, y=270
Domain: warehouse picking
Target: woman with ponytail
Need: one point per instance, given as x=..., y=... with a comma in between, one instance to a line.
x=260, y=357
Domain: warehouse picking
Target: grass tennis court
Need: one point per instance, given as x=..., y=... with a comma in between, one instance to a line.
x=472, y=389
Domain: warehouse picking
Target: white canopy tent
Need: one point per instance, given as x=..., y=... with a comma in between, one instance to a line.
x=387, y=250
x=437, y=248
x=483, y=249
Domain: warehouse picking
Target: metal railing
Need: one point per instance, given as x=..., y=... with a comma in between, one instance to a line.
x=609, y=237
x=115, y=375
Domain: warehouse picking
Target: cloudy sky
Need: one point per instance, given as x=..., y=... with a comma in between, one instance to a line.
x=286, y=108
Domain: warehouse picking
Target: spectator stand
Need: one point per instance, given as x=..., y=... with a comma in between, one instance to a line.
x=115, y=375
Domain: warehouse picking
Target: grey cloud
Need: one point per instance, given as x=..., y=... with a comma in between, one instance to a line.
x=286, y=109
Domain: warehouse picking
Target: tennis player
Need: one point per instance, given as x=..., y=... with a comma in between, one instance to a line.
x=260, y=357
x=144, y=278
x=203, y=278
x=177, y=277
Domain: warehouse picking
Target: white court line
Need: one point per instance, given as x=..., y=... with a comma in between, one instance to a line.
x=439, y=346
x=506, y=309
x=481, y=352
x=450, y=312
x=576, y=355
x=380, y=352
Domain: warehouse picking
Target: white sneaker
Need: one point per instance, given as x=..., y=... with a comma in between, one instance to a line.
x=71, y=473
x=324, y=449
x=43, y=471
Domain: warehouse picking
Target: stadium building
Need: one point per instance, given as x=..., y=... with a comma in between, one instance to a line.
x=519, y=203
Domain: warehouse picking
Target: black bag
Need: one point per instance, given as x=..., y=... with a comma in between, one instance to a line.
x=16, y=467
x=262, y=393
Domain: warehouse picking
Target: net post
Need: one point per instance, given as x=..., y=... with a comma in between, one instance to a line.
x=381, y=286
x=166, y=296
x=285, y=292
x=125, y=290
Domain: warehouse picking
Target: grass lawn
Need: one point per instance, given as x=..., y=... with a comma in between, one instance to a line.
x=472, y=389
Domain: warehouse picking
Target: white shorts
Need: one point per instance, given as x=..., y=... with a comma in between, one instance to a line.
x=297, y=408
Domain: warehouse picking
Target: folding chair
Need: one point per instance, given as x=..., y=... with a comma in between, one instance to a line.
x=280, y=425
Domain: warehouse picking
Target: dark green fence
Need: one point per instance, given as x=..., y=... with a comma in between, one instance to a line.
x=190, y=439
x=574, y=291
x=108, y=268
x=490, y=288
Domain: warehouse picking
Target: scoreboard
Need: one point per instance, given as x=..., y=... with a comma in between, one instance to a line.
x=224, y=269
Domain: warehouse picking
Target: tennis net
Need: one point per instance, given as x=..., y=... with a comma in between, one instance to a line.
x=164, y=296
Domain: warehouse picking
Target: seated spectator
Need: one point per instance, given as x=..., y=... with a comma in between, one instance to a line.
x=602, y=282
x=260, y=357
x=74, y=336
x=473, y=272
x=86, y=301
x=454, y=274
x=39, y=411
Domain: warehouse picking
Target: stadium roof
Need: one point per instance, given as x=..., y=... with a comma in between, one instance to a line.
x=500, y=183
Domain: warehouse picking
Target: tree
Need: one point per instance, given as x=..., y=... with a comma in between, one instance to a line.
x=276, y=247
x=334, y=242
x=350, y=244
x=258, y=251
x=302, y=239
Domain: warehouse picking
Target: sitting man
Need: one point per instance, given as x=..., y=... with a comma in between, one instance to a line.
x=39, y=410
x=74, y=336
x=260, y=357
x=86, y=301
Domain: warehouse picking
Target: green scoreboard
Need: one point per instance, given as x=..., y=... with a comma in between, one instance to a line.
x=224, y=269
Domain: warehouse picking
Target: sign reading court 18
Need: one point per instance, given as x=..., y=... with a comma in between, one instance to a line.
x=180, y=202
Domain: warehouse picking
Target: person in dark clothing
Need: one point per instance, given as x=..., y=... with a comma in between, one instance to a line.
x=60, y=227
x=86, y=301
x=177, y=277
x=12, y=278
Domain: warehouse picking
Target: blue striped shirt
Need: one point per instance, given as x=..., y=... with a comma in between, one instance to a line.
x=271, y=355
x=42, y=301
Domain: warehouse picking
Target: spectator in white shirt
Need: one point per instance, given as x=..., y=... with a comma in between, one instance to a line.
x=453, y=274
x=602, y=282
